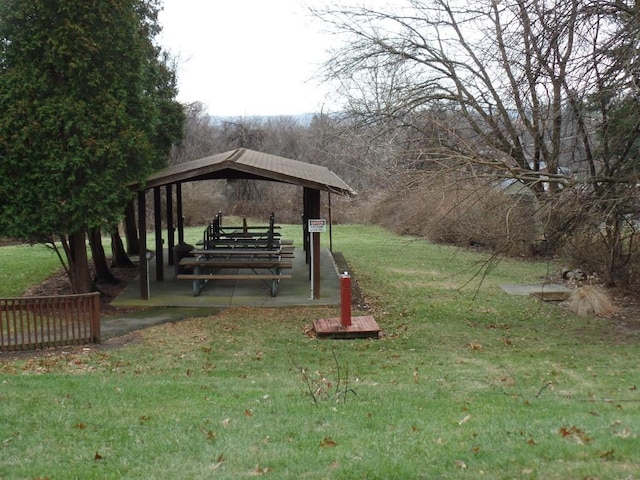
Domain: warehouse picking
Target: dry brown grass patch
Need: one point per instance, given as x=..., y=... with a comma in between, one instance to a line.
x=590, y=300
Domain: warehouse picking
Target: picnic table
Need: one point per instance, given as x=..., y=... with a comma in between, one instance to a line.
x=217, y=235
x=239, y=254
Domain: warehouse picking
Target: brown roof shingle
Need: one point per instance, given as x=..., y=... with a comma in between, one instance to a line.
x=250, y=164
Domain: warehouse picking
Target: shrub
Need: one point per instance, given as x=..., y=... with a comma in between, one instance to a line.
x=590, y=300
x=471, y=213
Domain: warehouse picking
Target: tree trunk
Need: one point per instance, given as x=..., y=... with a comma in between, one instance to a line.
x=617, y=274
x=79, y=273
x=119, y=257
x=131, y=229
x=103, y=274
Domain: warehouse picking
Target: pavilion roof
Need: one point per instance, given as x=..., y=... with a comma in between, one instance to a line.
x=243, y=163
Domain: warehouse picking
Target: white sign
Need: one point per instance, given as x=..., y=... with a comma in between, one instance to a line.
x=317, y=225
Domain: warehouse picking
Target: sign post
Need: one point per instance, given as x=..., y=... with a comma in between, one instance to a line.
x=316, y=227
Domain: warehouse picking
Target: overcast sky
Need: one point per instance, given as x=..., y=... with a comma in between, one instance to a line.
x=246, y=57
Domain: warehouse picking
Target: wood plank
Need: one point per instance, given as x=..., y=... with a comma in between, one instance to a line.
x=215, y=252
x=233, y=263
x=249, y=227
x=215, y=276
x=361, y=327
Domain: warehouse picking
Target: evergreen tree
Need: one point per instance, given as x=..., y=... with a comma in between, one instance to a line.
x=83, y=90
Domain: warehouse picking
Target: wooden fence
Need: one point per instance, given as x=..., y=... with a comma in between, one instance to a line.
x=28, y=323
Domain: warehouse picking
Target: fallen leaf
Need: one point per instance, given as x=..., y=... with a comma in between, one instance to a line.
x=80, y=426
x=218, y=463
x=97, y=456
x=574, y=433
x=260, y=470
x=460, y=464
x=248, y=413
x=624, y=433
x=464, y=420
x=608, y=455
x=328, y=442
x=226, y=422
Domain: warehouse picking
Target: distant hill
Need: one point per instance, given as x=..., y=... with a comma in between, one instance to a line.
x=302, y=118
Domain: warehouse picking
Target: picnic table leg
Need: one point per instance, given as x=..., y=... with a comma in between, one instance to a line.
x=196, y=282
x=274, y=284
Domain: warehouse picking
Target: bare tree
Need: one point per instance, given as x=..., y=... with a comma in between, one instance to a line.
x=200, y=139
x=527, y=90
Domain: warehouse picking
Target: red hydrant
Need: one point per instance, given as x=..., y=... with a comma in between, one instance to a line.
x=345, y=299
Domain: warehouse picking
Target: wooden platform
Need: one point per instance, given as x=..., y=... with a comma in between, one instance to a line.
x=361, y=327
x=552, y=296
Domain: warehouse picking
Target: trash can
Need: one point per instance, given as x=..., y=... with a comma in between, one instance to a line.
x=181, y=251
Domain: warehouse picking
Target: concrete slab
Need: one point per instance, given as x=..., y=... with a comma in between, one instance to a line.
x=539, y=289
x=129, y=322
x=295, y=291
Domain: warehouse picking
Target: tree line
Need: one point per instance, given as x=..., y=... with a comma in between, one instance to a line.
x=539, y=92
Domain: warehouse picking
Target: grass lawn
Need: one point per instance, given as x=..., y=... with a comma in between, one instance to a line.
x=467, y=382
x=22, y=266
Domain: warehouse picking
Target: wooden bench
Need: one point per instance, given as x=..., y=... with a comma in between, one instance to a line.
x=248, y=252
x=234, y=263
x=200, y=279
x=257, y=236
x=218, y=276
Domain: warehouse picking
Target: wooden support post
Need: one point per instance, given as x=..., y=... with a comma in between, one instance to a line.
x=170, y=227
x=179, y=213
x=157, y=215
x=95, y=318
x=330, y=223
x=311, y=199
x=305, y=227
x=315, y=245
x=142, y=245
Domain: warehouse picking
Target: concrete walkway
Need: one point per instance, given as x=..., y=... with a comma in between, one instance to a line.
x=294, y=291
x=172, y=300
x=116, y=326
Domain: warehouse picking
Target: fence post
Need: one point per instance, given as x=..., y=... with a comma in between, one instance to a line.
x=95, y=317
